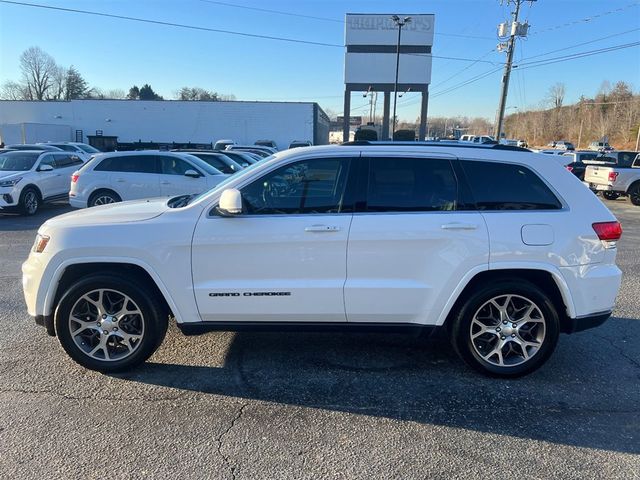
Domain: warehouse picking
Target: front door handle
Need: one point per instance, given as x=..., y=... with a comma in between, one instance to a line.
x=321, y=228
x=120, y=180
x=459, y=226
x=165, y=183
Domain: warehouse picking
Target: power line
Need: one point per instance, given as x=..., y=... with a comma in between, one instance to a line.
x=171, y=24
x=589, y=53
x=586, y=19
x=323, y=19
x=581, y=44
x=478, y=60
x=278, y=12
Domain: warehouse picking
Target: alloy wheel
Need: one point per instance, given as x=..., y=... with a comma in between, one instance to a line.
x=104, y=200
x=31, y=202
x=106, y=325
x=508, y=330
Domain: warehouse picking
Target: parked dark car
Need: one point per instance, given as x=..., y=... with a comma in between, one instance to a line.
x=216, y=159
x=32, y=147
x=243, y=158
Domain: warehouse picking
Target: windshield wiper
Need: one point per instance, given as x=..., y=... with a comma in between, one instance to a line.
x=180, y=201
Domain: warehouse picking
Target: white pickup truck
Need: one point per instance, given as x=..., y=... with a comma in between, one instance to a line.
x=615, y=181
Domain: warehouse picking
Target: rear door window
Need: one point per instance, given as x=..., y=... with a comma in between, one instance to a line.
x=66, y=160
x=174, y=166
x=411, y=185
x=129, y=164
x=505, y=186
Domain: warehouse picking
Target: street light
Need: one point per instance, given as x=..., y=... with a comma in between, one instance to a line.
x=400, y=24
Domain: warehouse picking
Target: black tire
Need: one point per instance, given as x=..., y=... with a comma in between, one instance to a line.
x=103, y=197
x=634, y=194
x=154, y=318
x=29, y=202
x=461, y=328
x=611, y=195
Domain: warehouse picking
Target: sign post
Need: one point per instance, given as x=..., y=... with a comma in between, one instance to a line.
x=374, y=55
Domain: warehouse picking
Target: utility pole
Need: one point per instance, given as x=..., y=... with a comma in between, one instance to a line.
x=516, y=30
x=400, y=24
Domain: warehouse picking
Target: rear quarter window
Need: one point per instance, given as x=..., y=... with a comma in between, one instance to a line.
x=129, y=164
x=505, y=186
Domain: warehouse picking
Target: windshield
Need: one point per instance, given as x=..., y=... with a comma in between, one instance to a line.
x=88, y=148
x=18, y=161
x=202, y=164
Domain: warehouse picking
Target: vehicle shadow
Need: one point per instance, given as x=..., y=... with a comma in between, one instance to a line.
x=582, y=397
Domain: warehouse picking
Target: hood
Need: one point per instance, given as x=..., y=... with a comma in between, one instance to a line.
x=123, y=212
x=7, y=175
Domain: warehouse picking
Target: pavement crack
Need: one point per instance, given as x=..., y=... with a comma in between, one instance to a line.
x=620, y=350
x=89, y=397
x=220, y=440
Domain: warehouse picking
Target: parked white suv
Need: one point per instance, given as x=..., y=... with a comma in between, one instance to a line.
x=30, y=177
x=82, y=150
x=119, y=176
x=499, y=248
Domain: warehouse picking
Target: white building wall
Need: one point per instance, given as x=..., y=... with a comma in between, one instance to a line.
x=167, y=121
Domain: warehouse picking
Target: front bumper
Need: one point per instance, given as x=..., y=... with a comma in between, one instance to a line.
x=9, y=197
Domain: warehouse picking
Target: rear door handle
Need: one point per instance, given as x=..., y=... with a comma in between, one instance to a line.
x=165, y=183
x=121, y=180
x=321, y=228
x=459, y=226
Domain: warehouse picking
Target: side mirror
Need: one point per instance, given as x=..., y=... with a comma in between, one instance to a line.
x=191, y=173
x=45, y=168
x=230, y=203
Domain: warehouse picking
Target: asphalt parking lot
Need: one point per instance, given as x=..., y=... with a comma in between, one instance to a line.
x=268, y=406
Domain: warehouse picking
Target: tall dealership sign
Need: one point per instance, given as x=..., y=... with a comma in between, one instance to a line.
x=374, y=50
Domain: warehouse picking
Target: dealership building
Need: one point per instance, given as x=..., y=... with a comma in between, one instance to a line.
x=162, y=121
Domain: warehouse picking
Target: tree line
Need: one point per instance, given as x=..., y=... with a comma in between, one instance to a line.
x=42, y=79
x=614, y=113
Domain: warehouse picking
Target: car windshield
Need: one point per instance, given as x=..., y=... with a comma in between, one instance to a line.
x=202, y=164
x=88, y=148
x=18, y=161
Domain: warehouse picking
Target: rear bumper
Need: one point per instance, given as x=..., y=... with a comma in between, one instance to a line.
x=579, y=324
x=598, y=187
x=76, y=202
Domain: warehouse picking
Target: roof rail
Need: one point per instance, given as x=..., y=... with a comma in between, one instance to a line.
x=438, y=143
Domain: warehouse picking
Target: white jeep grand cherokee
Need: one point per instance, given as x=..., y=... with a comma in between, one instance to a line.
x=502, y=249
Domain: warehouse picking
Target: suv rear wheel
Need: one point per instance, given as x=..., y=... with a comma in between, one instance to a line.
x=108, y=323
x=506, y=329
x=103, y=197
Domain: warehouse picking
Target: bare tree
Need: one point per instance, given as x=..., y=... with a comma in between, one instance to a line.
x=58, y=90
x=555, y=95
x=38, y=71
x=14, y=91
x=115, y=94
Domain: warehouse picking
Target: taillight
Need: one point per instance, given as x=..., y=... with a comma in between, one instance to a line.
x=74, y=177
x=569, y=167
x=608, y=232
x=613, y=176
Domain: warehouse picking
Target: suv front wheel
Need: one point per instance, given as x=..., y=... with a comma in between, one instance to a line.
x=506, y=329
x=107, y=323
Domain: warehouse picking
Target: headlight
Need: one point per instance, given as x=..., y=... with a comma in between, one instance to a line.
x=40, y=243
x=10, y=183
